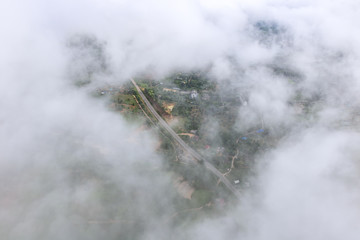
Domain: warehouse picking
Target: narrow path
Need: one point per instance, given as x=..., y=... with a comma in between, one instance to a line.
x=232, y=165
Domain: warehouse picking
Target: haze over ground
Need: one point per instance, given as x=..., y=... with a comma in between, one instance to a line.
x=306, y=188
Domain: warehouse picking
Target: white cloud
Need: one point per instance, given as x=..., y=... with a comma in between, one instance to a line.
x=308, y=190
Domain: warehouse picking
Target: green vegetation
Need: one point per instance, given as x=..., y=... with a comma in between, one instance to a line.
x=195, y=103
x=194, y=81
x=201, y=197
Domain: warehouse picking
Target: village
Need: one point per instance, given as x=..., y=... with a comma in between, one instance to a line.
x=191, y=103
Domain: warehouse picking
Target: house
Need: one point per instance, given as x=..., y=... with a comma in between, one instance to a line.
x=220, y=150
x=260, y=131
x=205, y=97
x=184, y=92
x=220, y=202
x=193, y=94
x=169, y=90
x=237, y=181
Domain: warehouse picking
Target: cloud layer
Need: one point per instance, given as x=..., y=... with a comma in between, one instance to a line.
x=53, y=135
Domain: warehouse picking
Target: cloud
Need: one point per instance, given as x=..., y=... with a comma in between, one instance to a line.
x=53, y=135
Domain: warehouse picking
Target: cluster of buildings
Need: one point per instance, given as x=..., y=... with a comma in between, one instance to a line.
x=192, y=94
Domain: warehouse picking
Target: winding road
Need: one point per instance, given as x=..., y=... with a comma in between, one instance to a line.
x=186, y=147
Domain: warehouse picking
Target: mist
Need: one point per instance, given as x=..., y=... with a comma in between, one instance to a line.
x=63, y=151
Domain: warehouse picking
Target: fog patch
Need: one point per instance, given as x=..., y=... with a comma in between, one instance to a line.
x=72, y=168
